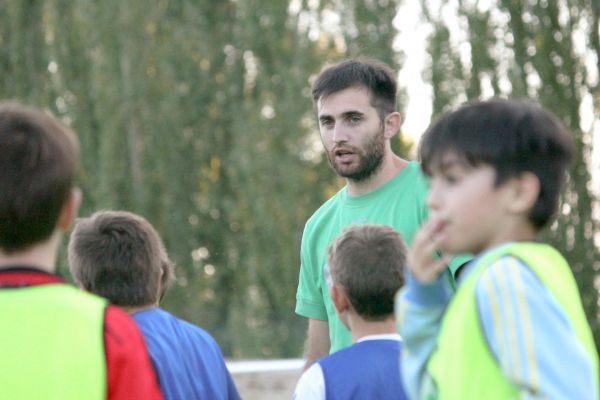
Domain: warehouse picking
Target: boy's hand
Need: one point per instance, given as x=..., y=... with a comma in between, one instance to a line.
x=422, y=258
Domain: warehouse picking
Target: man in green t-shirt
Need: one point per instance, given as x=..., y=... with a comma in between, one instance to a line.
x=355, y=101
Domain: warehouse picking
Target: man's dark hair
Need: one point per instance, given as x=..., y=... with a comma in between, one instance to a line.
x=372, y=75
x=38, y=165
x=367, y=261
x=120, y=256
x=511, y=136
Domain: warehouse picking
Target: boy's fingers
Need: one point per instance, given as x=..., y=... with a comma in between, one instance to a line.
x=422, y=260
x=428, y=228
x=447, y=258
x=426, y=235
x=431, y=273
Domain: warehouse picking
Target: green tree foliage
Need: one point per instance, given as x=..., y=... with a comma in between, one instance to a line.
x=547, y=51
x=197, y=114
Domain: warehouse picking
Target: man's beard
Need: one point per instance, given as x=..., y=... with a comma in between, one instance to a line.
x=370, y=159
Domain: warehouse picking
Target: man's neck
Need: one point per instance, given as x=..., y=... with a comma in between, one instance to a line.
x=391, y=166
x=41, y=256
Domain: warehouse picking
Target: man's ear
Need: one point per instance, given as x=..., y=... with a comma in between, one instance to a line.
x=339, y=298
x=391, y=124
x=69, y=210
x=524, y=192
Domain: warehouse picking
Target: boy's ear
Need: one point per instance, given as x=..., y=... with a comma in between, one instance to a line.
x=340, y=301
x=69, y=210
x=392, y=124
x=525, y=192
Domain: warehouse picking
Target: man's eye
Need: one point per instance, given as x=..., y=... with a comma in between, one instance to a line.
x=326, y=123
x=354, y=119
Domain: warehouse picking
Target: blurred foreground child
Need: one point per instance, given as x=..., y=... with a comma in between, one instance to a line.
x=516, y=327
x=56, y=342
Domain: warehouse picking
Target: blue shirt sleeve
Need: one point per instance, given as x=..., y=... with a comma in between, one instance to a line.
x=423, y=305
x=530, y=335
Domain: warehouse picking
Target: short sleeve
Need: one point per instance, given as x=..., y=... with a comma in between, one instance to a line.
x=311, y=385
x=309, y=296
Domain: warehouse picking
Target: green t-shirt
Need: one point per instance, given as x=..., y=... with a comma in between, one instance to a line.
x=399, y=203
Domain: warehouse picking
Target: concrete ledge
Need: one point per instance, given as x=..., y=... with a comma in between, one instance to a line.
x=266, y=379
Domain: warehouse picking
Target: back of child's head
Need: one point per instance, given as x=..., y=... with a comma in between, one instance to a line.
x=367, y=261
x=513, y=137
x=38, y=165
x=120, y=256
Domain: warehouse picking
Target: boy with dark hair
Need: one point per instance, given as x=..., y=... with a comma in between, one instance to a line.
x=120, y=256
x=367, y=265
x=56, y=342
x=355, y=102
x=515, y=327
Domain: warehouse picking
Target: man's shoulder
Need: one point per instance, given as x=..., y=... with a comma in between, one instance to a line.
x=408, y=185
x=412, y=176
x=324, y=212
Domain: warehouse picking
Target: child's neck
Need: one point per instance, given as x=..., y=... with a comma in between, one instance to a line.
x=361, y=328
x=41, y=255
x=519, y=231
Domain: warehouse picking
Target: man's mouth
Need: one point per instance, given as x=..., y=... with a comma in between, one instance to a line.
x=343, y=155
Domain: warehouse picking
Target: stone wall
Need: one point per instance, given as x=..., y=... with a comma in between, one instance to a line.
x=266, y=379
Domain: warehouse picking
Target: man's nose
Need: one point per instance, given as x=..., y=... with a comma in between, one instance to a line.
x=339, y=134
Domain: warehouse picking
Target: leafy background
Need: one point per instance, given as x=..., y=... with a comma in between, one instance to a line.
x=197, y=115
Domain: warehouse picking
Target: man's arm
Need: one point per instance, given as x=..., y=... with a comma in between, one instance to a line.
x=310, y=304
x=317, y=341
